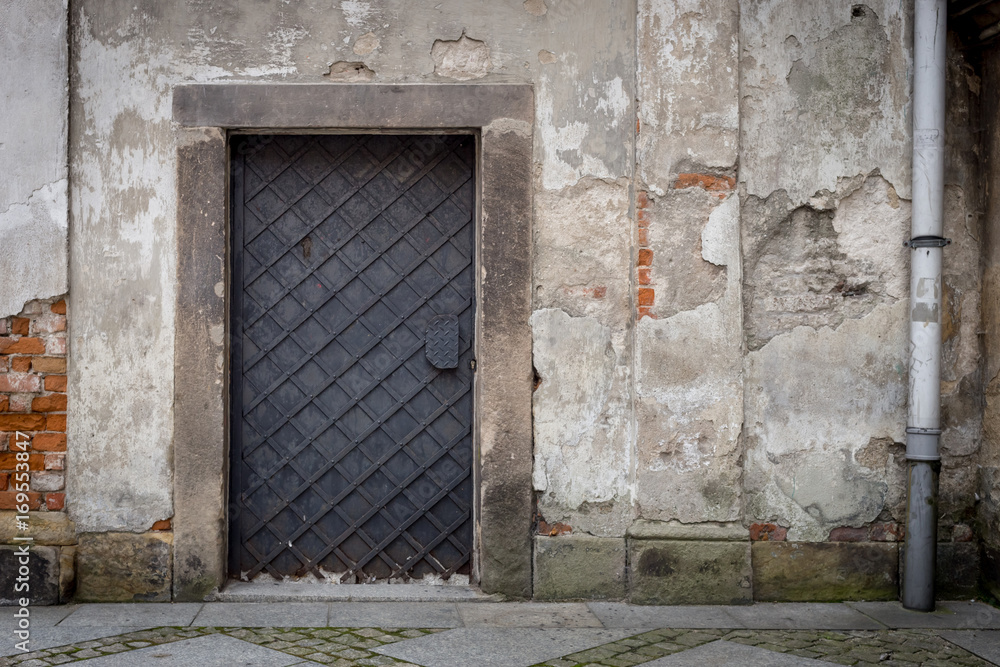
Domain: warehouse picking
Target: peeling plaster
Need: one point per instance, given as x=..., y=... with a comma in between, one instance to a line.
x=819, y=396
x=689, y=388
x=33, y=238
x=33, y=141
x=822, y=94
x=123, y=278
x=462, y=59
x=579, y=422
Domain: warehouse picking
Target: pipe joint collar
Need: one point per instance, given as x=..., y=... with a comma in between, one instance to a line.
x=922, y=444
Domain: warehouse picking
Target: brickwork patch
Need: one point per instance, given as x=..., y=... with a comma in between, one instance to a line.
x=33, y=401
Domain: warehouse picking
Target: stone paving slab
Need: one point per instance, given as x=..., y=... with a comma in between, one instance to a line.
x=279, y=591
x=500, y=635
x=801, y=615
x=498, y=647
x=947, y=616
x=730, y=653
x=263, y=615
x=394, y=615
x=50, y=637
x=984, y=643
x=208, y=651
x=528, y=615
x=143, y=615
x=40, y=616
x=621, y=615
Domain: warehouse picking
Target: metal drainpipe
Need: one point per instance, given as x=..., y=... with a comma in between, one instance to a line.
x=923, y=429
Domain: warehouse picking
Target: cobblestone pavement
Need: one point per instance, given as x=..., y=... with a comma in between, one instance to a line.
x=344, y=647
x=900, y=648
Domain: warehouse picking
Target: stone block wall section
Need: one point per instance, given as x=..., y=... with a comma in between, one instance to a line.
x=33, y=404
x=672, y=563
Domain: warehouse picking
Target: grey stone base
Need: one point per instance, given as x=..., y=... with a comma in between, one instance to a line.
x=123, y=567
x=825, y=571
x=43, y=578
x=957, y=570
x=689, y=572
x=989, y=572
x=579, y=567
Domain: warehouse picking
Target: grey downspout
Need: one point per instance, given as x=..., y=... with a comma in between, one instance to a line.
x=923, y=429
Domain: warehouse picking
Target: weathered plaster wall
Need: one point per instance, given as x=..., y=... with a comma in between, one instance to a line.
x=582, y=265
x=689, y=347
x=721, y=195
x=578, y=54
x=824, y=180
x=989, y=456
x=33, y=95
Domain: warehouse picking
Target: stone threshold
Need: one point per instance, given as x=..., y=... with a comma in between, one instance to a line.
x=293, y=591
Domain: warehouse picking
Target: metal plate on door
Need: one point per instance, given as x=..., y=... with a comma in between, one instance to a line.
x=441, y=341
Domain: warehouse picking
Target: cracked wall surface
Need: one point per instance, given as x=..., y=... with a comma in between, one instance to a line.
x=33, y=135
x=721, y=192
x=825, y=211
x=127, y=57
x=988, y=515
x=688, y=384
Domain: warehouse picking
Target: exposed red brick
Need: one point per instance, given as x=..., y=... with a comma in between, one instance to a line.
x=18, y=383
x=50, y=323
x=8, y=500
x=644, y=237
x=553, y=530
x=848, y=534
x=767, y=532
x=56, y=345
x=163, y=524
x=3, y=326
x=885, y=532
x=5, y=363
x=19, y=325
x=644, y=277
x=49, y=364
x=55, y=461
x=8, y=461
x=646, y=296
x=54, y=423
x=49, y=442
x=709, y=182
x=644, y=311
x=22, y=345
x=641, y=199
x=59, y=307
x=20, y=364
x=645, y=257
x=55, y=383
x=643, y=219
x=20, y=403
x=4, y=403
x=50, y=403
x=3, y=480
x=55, y=501
x=26, y=423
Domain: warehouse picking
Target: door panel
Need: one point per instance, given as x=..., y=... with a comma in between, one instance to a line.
x=352, y=259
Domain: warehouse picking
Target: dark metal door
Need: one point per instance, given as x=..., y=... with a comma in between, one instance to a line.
x=352, y=354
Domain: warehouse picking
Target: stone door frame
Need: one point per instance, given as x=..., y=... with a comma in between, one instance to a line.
x=502, y=115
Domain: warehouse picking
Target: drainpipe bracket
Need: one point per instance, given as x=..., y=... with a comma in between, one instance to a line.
x=927, y=242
